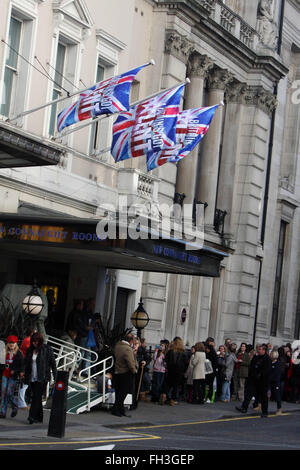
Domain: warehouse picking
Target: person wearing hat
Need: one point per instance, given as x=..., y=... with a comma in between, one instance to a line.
x=14, y=368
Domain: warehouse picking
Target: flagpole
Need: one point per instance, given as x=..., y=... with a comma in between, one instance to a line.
x=70, y=131
x=58, y=100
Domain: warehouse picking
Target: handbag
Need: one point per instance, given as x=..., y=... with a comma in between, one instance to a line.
x=90, y=342
x=208, y=367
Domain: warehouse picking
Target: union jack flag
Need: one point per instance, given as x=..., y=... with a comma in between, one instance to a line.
x=147, y=127
x=191, y=127
x=107, y=97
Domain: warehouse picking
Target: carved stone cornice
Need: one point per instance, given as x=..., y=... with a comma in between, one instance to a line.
x=238, y=43
x=235, y=92
x=199, y=65
x=263, y=99
x=218, y=79
x=178, y=45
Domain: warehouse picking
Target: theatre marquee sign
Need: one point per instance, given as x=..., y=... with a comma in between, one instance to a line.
x=142, y=254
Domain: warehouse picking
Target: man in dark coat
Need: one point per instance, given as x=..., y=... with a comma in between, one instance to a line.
x=209, y=378
x=258, y=381
x=143, y=358
x=125, y=368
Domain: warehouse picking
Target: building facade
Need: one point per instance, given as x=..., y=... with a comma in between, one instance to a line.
x=244, y=174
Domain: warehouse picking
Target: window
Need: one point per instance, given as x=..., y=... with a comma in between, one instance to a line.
x=135, y=91
x=101, y=130
x=95, y=128
x=297, y=319
x=108, y=49
x=11, y=66
x=20, y=43
x=57, y=88
x=278, y=277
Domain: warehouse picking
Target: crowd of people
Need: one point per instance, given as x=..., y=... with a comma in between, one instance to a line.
x=166, y=375
x=202, y=374
x=29, y=365
x=205, y=374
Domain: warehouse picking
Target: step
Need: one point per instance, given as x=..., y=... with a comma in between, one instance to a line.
x=77, y=401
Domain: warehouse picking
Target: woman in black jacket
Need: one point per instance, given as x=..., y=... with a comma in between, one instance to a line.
x=177, y=363
x=39, y=362
x=209, y=378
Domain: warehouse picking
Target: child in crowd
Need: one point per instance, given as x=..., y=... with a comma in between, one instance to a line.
x=108, y=383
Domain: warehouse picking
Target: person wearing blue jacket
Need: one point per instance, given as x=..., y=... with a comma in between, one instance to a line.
x=274, y=383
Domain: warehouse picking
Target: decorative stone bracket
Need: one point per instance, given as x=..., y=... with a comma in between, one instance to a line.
x=179, y=46
x=258, y=96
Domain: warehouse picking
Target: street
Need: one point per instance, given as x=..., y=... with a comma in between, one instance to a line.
x=240, y=433
x=153, y=429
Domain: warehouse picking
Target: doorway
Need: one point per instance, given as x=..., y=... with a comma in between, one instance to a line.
x=49, y=277
x=121, y=308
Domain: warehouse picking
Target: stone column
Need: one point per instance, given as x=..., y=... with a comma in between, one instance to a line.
x=178, y=49
x=240, y=287
x=187, y=168
x=230, y=152
x=209, y=159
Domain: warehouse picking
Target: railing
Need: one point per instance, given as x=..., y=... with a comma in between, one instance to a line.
x=68, y=356
x=145, y=186
x=231, y=22
x=88, y=371
x=246, y=35
x=228, y=19
x=63, y=350
x=137, y=186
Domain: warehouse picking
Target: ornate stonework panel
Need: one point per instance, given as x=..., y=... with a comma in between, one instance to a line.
x=178, y=45
x=218, y=79
x=235, y=92
x=199, y=65
x=266, y=25
x=258, y=96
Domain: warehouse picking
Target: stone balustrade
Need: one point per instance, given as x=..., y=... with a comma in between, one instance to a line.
x=231, y=22
x=145, y=186
x=137, y=186
x=227, y=19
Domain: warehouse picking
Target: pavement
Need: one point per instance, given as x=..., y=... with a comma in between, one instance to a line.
x=100, y=426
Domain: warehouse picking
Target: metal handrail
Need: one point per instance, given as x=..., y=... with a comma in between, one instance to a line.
x=68, y=360
x=59, y=346
x=96, y=374
x=71, y=354
x=60, y=342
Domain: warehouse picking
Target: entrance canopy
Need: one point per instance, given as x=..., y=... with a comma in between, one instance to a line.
x=19, y=149
x=75, y=240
